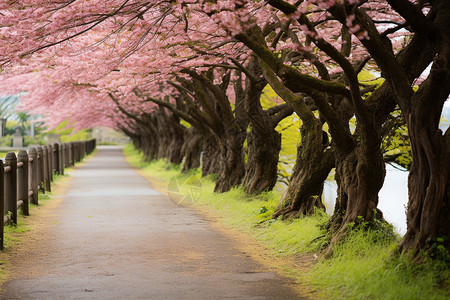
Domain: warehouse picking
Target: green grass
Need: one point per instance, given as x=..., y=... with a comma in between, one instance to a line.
x=364, y=266
x=12, y=234
x=10, y=231
x=9, y=237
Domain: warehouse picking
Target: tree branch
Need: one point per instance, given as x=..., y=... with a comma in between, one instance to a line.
x=281, y=115
x=305, y=81
x=413, y=15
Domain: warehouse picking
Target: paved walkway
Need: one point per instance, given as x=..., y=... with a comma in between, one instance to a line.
x=117, y=238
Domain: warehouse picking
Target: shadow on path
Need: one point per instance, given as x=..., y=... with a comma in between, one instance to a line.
x=117, y=238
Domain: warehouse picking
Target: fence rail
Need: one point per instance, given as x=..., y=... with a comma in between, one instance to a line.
x=24, y=175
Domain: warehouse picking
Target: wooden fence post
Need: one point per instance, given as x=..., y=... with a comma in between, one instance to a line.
x=22, y=180
x=83, y=152
x=80, y=151
x=71, y=161
x=56, y=158
x=2, y=202
x=76, y=152
x=50, y=162
x=63, y=155
x=66, y=155
x=34, y=171
x=93, y=145
x=11, y=185
x=46, y=169
x=40, y=153
x=61, y=159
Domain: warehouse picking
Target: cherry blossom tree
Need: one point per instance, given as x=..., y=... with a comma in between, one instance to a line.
x=141, y=65
x=428, y=205
x=359, y=172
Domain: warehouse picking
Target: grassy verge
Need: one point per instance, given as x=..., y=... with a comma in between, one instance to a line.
x=365, y=266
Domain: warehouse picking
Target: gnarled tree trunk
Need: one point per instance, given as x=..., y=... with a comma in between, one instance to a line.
x=263, y=141
x=149, y=140
x=428, y=183
x=232, y=159
x=428, y=222
x=313, y=164
x=262, y=162
x=359, y=175
x=177, y=140
x=163, y=138
x=192, y=148
x=210, y=155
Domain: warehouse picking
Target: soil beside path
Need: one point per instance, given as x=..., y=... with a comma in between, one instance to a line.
x=114, y=237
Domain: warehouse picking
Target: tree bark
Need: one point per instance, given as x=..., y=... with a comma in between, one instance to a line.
x=149, y=140
x=232, y=160
x=210, y=155
x=177, y=132
x=263, y=141
x=428, y=182
x=313, y=164
x=359, y=175
x=262, y=162
x=163, y=137
x=192, y=148
x=228, y=125
x=175, y=148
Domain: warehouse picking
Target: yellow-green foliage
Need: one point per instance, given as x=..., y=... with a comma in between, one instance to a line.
x=12, y=124
x=396, y=143
x=368, y=78
x=81, y=135
x=290, y=133
x=37, y=140
x=185, y=124
x=6, y=141
x=399, y=145
x=67, y=134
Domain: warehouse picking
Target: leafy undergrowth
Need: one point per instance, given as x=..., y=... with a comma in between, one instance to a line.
x=364, y=266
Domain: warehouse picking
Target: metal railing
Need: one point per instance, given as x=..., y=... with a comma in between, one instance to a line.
x=24, y=175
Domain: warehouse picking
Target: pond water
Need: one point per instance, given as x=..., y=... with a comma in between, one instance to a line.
x=393, y=197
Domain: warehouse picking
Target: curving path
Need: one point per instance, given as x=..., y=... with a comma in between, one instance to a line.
x=117, y=238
